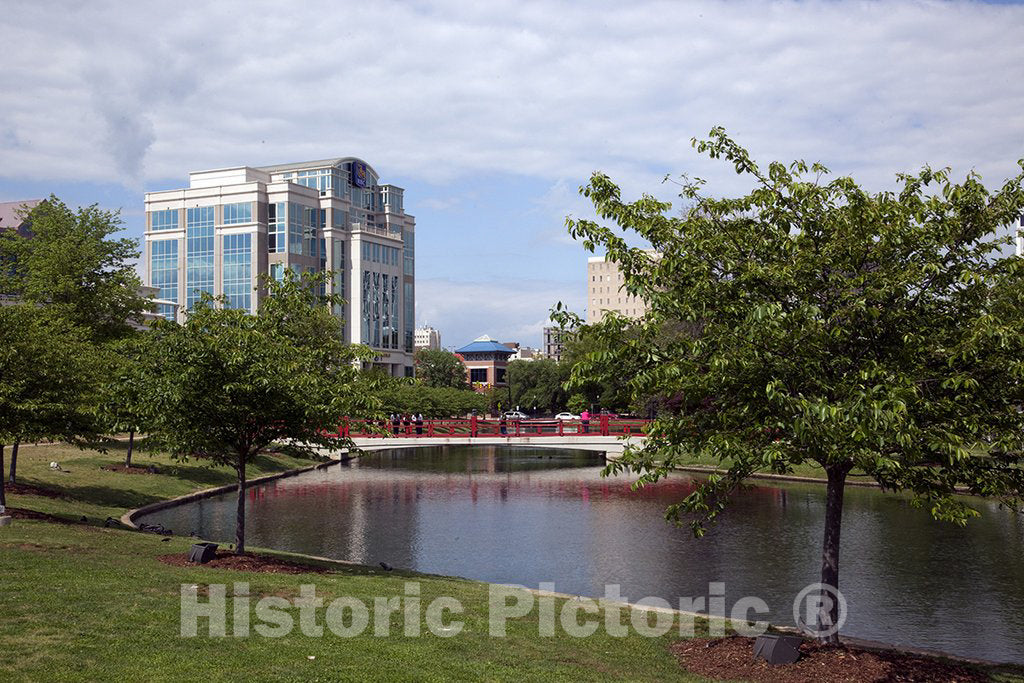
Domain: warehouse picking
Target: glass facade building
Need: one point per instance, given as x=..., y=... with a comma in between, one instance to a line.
x=231, y=226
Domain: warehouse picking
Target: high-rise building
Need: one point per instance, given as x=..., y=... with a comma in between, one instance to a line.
x=554, y=342
x=231, y=225
x=606, y=292
x=427, y=338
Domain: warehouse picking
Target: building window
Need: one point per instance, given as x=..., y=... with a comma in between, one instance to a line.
x=478, y=375
x=295, y=228
x=163, y=220
x=277, y=271
x=410, y=315
x=163, y=273
x=198, y=253
x=238, y=213
x=275, y=228
x=238, y=270
x=410, y=251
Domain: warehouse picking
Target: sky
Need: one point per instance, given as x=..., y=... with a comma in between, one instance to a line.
x=492, y=115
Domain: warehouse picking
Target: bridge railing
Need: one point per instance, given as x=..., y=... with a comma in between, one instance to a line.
x=600, y=425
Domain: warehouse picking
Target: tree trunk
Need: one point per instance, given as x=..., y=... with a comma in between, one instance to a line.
x=14, y=462
x=3, y=498
x=828, y=614
x=131, y=442
x=240, y=510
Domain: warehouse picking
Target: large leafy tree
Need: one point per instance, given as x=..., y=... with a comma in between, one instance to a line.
x=48, y=375
x=123, y=405
x=73, y=264
x=225, y=385
x=877, y=332
x=538, y=383
x=440, y=368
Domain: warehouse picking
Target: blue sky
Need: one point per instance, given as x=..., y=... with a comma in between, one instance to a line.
x=491, y=115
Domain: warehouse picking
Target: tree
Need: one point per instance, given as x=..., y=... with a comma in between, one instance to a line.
x=47, y=380
x=538, y=383
x=439, y=368
x=71, y=264
x=408, y=398
x=225, y=385
x=878, y=332
x=123, y=404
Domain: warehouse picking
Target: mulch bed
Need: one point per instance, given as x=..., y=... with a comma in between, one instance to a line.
x=733, y=658
x=30, y=490
x=245, y=563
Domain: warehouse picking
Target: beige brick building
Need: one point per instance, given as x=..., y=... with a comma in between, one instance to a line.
x=606, y=292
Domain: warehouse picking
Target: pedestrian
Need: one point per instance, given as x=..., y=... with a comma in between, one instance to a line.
x=419, y=423
x=394, y=423
x=503, y=423
x=585, y=419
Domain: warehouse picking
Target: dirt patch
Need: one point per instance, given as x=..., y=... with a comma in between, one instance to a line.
x=19, y=513
x=129, y=470
x=31, y=490
x=732, y=659
x=245, y=563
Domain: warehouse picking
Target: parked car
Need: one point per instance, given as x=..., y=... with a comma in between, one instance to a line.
x=566, y=416
x=515, y=415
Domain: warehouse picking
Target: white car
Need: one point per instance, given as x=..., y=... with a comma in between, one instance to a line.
x=516, y=415
x=566, y=416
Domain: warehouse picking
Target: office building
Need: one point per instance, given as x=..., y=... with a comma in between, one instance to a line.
x=606, y=292
x=427, y=337
x=232, y=225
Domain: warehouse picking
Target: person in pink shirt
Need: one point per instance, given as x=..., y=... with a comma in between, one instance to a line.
x=585, y=419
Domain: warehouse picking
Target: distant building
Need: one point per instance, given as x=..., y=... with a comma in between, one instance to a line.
x=554, y=342
x=526, y=353
x=12, y=215
x=606, y=292
x=427, y=338
x=231, y=226
x=486, y=362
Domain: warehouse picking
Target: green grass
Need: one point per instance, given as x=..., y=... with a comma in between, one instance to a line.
x=88, y=490
x=83, y=602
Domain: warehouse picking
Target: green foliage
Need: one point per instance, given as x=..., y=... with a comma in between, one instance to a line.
x=820, y=322
x=538, y=384
x=71, y=264
x=48, y=372
x=405, y=398
x=439, y=368
x=225, y=384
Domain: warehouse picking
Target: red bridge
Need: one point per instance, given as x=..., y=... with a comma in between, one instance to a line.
x=475, y=427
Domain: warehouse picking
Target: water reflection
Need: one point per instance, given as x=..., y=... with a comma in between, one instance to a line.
x=531, y=515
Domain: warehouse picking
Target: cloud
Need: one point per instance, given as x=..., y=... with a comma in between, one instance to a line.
x=553, y=90
x=508, y=311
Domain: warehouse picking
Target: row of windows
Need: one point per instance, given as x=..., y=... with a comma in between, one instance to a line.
x=237, y=270
x=163, y=274
x=198, y=253
x=163, y=220
x=380, y=253
x=238, y=213
x=380, y=310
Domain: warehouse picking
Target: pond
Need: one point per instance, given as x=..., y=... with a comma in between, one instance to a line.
x=527, y=516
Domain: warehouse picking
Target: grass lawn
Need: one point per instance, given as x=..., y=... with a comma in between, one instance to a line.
x=83, y=602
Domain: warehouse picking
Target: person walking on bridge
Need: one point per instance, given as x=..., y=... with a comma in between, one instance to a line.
x=585, y=419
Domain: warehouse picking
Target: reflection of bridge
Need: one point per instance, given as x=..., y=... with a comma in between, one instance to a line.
x=604, y=434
